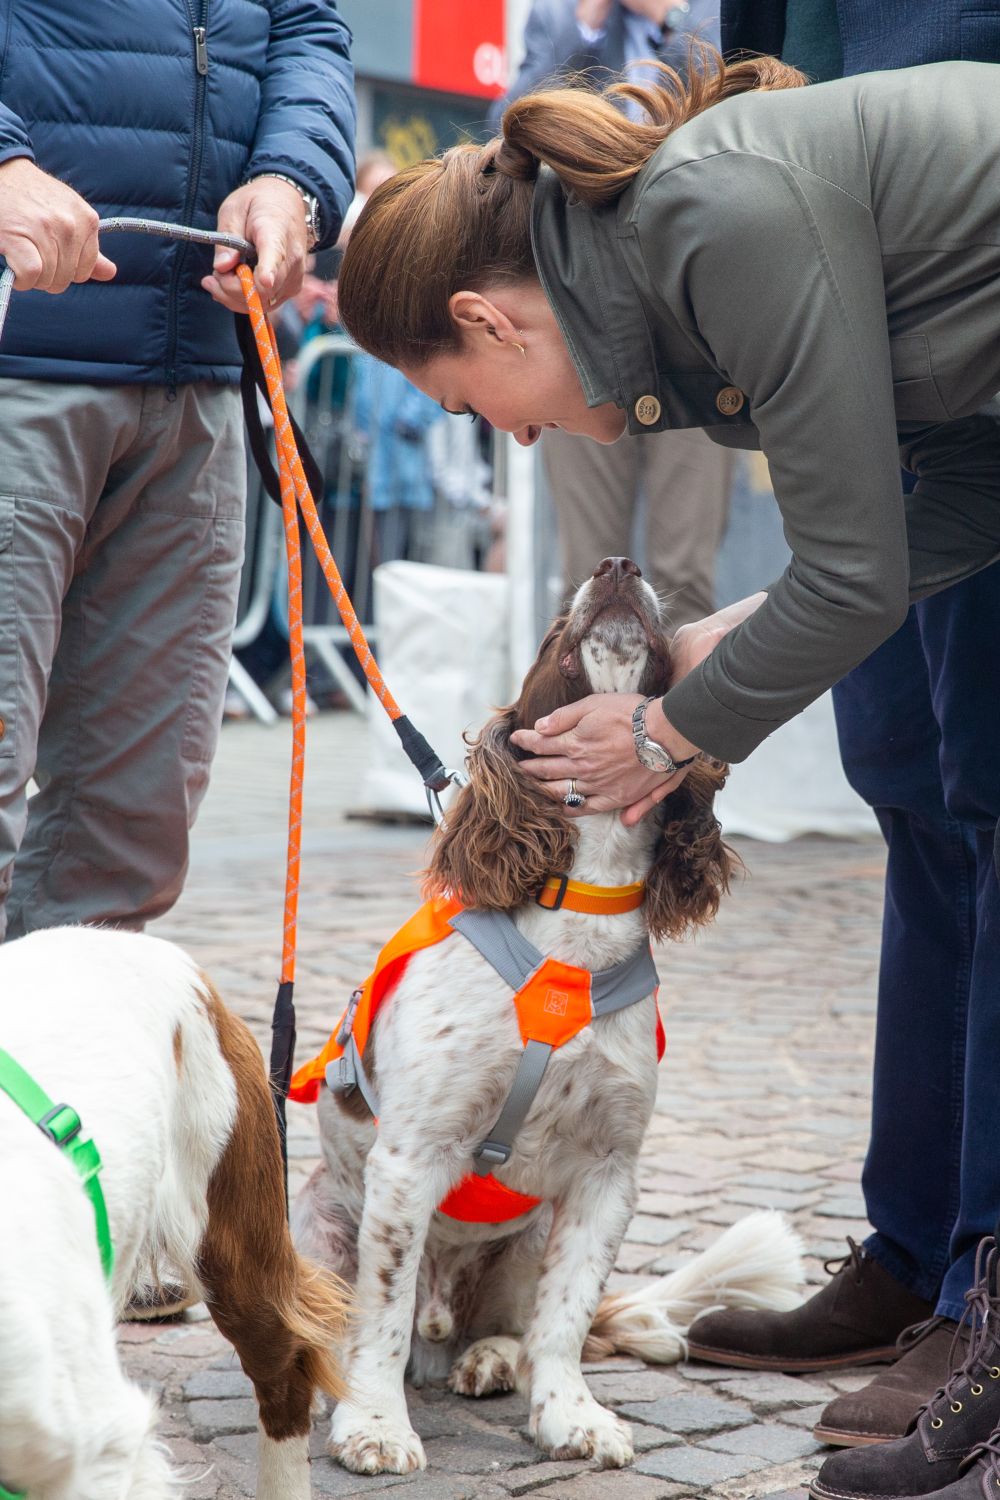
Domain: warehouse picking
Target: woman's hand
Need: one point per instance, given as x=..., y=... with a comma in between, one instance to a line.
x=591, y=741
x=694, y=642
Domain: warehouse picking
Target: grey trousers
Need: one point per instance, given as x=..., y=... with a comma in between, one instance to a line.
x=685, y=480
x=121, y=542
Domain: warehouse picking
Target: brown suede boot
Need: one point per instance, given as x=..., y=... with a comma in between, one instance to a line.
x=934, y=1456
x=885, y=1407
x=854, y=1320
x=978, y=1479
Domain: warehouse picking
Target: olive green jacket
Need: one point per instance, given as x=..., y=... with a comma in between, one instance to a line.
x=815, y=272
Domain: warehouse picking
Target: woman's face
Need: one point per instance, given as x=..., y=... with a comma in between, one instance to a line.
x=520, y=393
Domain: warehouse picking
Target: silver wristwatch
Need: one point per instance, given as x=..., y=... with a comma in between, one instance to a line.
x=651, y=755
x=311, y=202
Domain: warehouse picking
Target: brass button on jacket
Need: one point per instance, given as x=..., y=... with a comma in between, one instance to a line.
x=730, y=400
x=647, y=409
x=3, y=729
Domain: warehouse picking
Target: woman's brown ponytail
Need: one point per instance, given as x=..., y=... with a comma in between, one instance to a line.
x=595, y=149
x=462, y=221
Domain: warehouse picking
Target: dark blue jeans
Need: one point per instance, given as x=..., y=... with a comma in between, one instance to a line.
x=919, y=728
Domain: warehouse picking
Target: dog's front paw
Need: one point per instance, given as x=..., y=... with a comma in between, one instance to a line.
x=369, y=1443
x=574, y=1425
x=488, y=1365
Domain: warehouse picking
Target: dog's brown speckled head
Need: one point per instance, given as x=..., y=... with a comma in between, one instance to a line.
x=504, y=835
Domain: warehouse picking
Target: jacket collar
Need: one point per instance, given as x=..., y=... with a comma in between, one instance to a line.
x=579, y=259
x=634, y=353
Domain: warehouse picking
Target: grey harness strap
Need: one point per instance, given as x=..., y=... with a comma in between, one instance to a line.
x=506, y=949
x=504, y=946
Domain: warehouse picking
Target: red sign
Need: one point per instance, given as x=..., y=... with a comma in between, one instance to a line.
x=459, y=46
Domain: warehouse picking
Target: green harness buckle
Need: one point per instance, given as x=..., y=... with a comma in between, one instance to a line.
x=62, y=1125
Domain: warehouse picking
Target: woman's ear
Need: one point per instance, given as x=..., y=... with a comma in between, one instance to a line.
x=502, y=836
x=692, y=867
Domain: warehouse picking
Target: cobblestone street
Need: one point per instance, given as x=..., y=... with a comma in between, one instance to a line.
x=763, y=1102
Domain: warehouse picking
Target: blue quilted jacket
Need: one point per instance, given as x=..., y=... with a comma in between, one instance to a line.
x=145, y=114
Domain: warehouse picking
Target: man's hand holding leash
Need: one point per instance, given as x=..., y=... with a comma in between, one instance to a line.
x=271, y=213
x=48, y=233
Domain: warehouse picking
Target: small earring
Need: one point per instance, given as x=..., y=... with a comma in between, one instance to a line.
x=521, y=348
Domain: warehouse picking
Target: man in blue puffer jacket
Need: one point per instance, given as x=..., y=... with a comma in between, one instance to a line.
x=121, y=450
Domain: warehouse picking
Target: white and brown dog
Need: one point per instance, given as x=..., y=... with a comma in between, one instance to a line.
x=172, y=1089
x=498, y=1304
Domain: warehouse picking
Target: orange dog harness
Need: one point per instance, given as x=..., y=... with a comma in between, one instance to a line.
x=554, y=1001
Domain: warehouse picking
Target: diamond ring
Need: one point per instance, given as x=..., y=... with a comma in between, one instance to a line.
x=573, y=797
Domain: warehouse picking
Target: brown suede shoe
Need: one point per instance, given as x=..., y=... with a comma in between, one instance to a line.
x=979, y=1479
x=963, y=1414
x=854, y=1320
x=884, y=1408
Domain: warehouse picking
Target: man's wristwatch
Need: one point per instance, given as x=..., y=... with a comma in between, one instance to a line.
x=309, y=199
x=651, y=755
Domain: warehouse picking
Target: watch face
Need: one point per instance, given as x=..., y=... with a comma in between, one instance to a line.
x=655, y=758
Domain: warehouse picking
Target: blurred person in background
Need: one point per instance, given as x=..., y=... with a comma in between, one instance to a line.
x=470, y=521
x=374, y=168
x=391, y=422
x=678, y=482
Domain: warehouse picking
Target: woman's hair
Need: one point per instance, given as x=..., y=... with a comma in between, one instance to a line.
x=462, y=221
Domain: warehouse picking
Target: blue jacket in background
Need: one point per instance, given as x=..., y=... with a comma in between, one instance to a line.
x=394, y=416
x=877, y=34
x=108, y=96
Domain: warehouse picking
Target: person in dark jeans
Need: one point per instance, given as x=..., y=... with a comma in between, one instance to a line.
x=919, y=730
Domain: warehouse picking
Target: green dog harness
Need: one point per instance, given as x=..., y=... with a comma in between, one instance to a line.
x=61, y=1124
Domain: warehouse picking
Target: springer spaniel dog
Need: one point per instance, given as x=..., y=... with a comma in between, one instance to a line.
x=171, y=1087
x=511, y=1302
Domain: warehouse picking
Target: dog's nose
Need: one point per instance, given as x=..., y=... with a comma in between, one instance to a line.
x=617, y=568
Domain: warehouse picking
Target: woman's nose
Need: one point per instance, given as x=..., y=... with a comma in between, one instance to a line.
x=618, y=568
x=527, y=435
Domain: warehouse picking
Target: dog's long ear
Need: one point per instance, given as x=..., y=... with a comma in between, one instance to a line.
x=502, y=836
x=692, y=866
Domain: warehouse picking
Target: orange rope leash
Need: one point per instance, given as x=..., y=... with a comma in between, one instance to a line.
x=296, y=497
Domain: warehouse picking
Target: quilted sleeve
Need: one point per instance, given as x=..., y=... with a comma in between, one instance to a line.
x=14, y=138
x=307, y=116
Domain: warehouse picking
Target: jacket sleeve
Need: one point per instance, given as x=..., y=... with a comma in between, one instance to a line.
x=780, y=282
x=306, y=124
x=14, y=137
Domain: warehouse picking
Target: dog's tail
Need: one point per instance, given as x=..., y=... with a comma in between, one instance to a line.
x=757, y=1263
x=315, y=1314
x=284, y=1314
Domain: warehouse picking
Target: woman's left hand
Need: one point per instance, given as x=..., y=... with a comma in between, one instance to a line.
x=591, y=742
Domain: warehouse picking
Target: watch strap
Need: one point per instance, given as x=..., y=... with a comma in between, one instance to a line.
x=642, y=740
x=309, y=199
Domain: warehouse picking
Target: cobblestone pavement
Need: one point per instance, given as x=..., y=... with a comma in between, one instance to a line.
x=763, y=1102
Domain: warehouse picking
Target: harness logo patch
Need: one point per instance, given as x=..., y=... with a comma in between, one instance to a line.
x=556, y=1002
